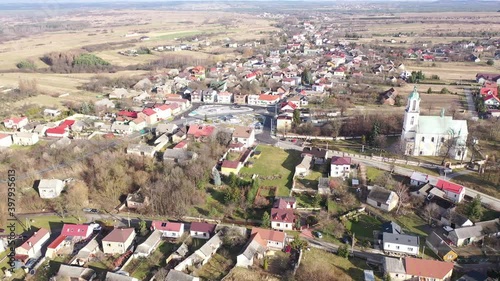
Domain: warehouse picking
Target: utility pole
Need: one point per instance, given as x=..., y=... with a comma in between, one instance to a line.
x=128, y=218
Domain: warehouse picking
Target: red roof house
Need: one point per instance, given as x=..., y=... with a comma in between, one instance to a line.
x=282, y=219
x=200, y=131
x=169, y=229
x=126, y=113
x=79, y=231
x=57, y=132
x=428, y=269
x=31, y=247
x=15, y=122
x=453, y=192
x=202, y=230
x=341, y=161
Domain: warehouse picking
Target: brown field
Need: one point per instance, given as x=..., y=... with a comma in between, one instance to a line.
x=453, y=71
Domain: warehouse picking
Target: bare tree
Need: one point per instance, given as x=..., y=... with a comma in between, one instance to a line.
x=404, y=197
x=430, y=211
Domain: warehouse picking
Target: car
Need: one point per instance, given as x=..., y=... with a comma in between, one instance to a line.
x=86, y=210
x=95, y=211
x=30, y=263
x=447, y=170
x=318, y=234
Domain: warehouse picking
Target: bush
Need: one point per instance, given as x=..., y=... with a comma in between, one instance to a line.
x=26, y=64
x=444, y=91
x=490, y=62
x=89, y=60
x=343, y=251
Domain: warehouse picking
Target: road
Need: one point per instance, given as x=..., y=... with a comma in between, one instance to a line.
x=470, y=103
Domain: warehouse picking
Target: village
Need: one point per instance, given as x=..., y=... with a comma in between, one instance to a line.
x=306, y=156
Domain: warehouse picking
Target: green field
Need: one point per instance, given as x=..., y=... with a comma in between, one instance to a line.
x=364, y=227
x=272, y=162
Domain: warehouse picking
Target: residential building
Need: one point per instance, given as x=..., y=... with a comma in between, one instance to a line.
x=240, y=98
x=319, y=155
x=452, y=191
x=253, y=99
x=229, y=167
x=225, y=97
x=111, y=276
x=76, y=232
x=86, y=253
x=136, y=200
x=382, y=198
x=51, y=112
x=274, y=239
x=475, y=276
x=15, y=122
x=426, y=135
x=5, y=140
x=284, y=123
x=282, y=219
x=268, y=99
x=440, y=248
x=61, y=245
x=32, y=247
x=417, y=269
x=400, y=244
x=202, y=230
x=285, y=203
x=24, y=138
x=209, y=96
x=50, y=188
x=244, y=135
x=199, y=132
x=149, y=245
x=418, y=178
x=487, y=77
x=340, y=167
x=141, y=149
x=255, y=248
x=202, y=255
x=304, y=167
x=118, y=241
x=463, y=236
x=174, y=275
x=169, y=229
x=149, y=115
x=179, y=155
x=74, y=273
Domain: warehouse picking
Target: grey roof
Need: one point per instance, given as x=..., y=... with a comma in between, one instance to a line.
x=306, y=162
x=166, y=128
x=474, y=276
x=403, y=239
x=162, y=138
x=468, y=232
x=84, y=253
x=111, y=276
x=50, y=184
x=490, y=227
x=68, y=272
x=120, y=127
x=144, y=148
x=210, y=246
x=178, y=154
x=183, y=250
x=253, y=248
x=437, y=245
x=150, y=242
x=381, y=195
x=391, y=227
x=174, y=275
x=394, y=265
x=441, y=125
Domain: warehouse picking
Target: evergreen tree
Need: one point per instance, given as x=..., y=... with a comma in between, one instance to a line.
x=475, y=211
x=374, y=133
x=306, y=77
x=266, y=220
x=429, y=91
x=296, y=117
x=343, y=251
x=216, y=175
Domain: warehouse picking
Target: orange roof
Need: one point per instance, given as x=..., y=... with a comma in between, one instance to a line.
x=270, y=235
x=257, y=238
x=427, y=268
x=230, y=164
x=282, y=215
x=268, y=97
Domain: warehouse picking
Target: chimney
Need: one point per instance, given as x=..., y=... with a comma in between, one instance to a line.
x=29, y=244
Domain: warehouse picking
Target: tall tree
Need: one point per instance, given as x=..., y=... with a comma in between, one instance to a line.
x=296, y=117
x=475, y=210
x=266, y=220
x=404, y=197
x=306, y=77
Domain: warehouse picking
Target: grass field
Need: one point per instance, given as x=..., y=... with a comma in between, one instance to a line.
x=52, y=223
x=364, y=227
x=245, y=274
x=275, y=161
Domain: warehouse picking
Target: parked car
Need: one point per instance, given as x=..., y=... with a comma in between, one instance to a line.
x=30, y=263
x=318, y=234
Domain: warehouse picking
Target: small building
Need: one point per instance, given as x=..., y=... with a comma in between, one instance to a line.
x=474, y=276
x=179, y=155
x=174, y=275
x=50, y=188
x=440, y=248
x=418, y=178
x=400, y=244
x=470, y=234
x=382, y=198
x=452, y=191
x=304, y=167
x=141, y=149
x=225, y=97
x=202, y=230
x=285, y=203
x=229, y=167
x=5, y=140
x=136, y=200
x=340, y=167
x=319, y=155
x=417, y=269
x=147, y=247
x=255, y=248
x=76, y=273
x=118, y=241
x=77, y=232
x=274, y=239
x=32, y=247
x=25, y=138
x=244, y=135
x=111, y=276
x=199, y=132
x=86, y=253
x=51, y=112
x=15, y=122
x=282, y=219
x=169, y=229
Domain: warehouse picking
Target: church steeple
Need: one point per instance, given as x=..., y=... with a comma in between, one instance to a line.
x=413, y=101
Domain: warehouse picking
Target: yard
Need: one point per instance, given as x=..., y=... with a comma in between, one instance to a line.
x=364, y=227
x=343, y=269
x=220, y=264
x=142, y=268
x=274, y=162
x=244, y=274
x=52, y=223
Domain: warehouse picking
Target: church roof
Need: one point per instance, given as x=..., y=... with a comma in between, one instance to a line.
x=414, y=94
x=442, y=125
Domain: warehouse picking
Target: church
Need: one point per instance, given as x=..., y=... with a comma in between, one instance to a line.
x=432, y=135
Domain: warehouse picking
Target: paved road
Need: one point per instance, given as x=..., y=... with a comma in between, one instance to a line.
x=470, y=103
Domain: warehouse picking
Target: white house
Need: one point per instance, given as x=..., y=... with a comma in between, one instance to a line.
x=209, y=96
x=304, y=167
x=400, y=244
x=148, y=246
x=141, y=149
x=418, y=178
x=15, y=122
x=491, y=100
x=5, y=140
x=268, y=99
x=244, y=135
x=340, y=167
x=430, y=135
x=169, y=229
x=282, y=219
x=25, y=138
x=32, y=247
x=382, y=198
x=285, y=203
x=261, y=242
x=417, y=269
x=202, y=230
x=51, y=112
x=50, y=188
x=118, y=241
x=225, y=97
x=253, y=99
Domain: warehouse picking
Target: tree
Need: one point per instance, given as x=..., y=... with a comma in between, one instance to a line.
x=142, y=227
x=28, y=87
x=444, y=91
x=306, y=77
x=430, y=211
x=374, y=133
x=475, y=210
x=298, y=243
x=429, y=91
x=266, y=220
x=404, y=197
x=223, y=137
x=490, y=62
x=398, y=101
x=343, y=251
x=317, y=200
x=311, y=220
x=296, y=117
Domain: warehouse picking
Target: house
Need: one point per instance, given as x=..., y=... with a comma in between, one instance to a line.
x=76, y=232
x=169, y=229
x=111, y=276
x=452, y=191
x=282, y=219
x=149, y=115
x=240, y=98
x=174, y=275
x=32, y=247
x=391, y=227
x=455, y=220
x=179, y=155
x=50, y=188
x=147, y=247
x=202, y=255
x=57, y=132
x=400, y=244
x=62, y=242
x=202, y=230
x=418, y=178
x=5, y=140
x=463, y=236
x=417, y=269
x=491, y=100
x=225, y=97
x=15, y=122
x=340, y=167
x=275, y=240
x=141, y=149
x=166, y=128
x=388, y=97
x=118, y=241
x=229, y=167
x=22, y=138
x=74, y=273
x=209, y=96
x=265, y=99
x=319, y=155
x=487, y=91
x=283, y=122
x=86, y=253
x=288, y=107
x=104, y=103
x=304, y=167
x=196, y=96
x=199, y=132
x=440, y=248
x=382, y=198
x=253, y=99
x=487, y=77
x=136, y=200
x=285, y=203
x=121, y=128
x=255, y=248
x=244, y=135
x=51, y=112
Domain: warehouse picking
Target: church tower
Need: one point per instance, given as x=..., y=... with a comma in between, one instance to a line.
x=410, y=122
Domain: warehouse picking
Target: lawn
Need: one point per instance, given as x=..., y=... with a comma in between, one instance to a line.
x=344, y=269
x=274, y=162
x=245, y=274
x=364, y=227
x=220, y=264
x=53, y=223
x=373, y=173
x=479, y=183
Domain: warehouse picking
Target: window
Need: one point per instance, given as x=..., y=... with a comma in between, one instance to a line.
x=109, y=244
x=432, y=139
x=278, y=224
x=459, y=153
x=423, y=139
x=414, y=105
x=397, y=247
x=421, y=152
x=410, y=249
x=286, y=224
x=379, y=204
x=412, y=120
x=442, y=139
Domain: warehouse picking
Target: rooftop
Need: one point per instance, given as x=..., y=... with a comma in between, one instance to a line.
x=202, y=227
x=270, y=235
x=428, y=268
x=341, y=160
